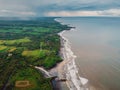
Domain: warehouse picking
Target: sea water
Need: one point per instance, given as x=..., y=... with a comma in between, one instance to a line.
x=95, y=42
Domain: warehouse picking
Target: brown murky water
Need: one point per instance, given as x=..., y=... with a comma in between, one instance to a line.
x=96, y=43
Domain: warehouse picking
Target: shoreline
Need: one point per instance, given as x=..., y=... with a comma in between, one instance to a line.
x=67, y=69
x=74, y=81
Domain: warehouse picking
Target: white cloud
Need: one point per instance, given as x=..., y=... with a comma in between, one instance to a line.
x=72, y=13
x=113, y=12
x=110, y=12
x=5, y=12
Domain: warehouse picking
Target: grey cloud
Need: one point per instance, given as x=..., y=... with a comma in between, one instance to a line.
x=40, y=7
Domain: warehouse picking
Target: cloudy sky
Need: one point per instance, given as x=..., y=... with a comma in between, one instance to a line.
x=28, y=8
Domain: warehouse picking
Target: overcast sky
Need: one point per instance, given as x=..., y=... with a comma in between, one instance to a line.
x=26, y=8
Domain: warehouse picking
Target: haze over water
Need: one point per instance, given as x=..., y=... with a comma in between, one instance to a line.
x=96, y=43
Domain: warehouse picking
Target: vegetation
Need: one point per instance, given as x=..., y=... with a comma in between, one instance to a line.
x=25, y=44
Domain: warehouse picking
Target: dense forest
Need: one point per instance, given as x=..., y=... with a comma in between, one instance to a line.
x=25, y=44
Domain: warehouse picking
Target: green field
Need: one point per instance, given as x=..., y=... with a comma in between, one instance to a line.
x=7, y=48
x=16, y=41
x=36, y=81
x=28, y=43
x=36, y=53
x=2, y=47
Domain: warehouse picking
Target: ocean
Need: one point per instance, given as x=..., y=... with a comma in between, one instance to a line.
x=95, y=41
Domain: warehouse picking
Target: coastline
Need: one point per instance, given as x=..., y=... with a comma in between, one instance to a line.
x=66, y=69
x=69, y=68
x=74, y=81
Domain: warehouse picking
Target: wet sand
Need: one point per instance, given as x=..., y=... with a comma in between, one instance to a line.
x=68, y=68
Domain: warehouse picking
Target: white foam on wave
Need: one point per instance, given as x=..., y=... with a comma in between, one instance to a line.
x=74, y=81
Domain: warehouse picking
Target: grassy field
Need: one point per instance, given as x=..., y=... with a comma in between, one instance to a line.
x=33, y=77
x=2, y=47
x=36, y=53
x=16, y=41
x=12, y=49
x=28, y=43
x=6, y=48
